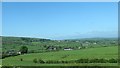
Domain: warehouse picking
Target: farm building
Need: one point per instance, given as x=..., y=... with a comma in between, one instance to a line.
x=68, y=49
x=19, y=53
x=11, y=52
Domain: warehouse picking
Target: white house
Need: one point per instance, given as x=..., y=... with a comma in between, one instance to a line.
x=19, y=53
x=79, y=47
x=68, y=49
x=94, y=43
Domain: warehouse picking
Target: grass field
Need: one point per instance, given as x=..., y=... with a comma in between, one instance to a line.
x=101, y=52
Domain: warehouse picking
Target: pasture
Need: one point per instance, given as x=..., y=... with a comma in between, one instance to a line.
x=90, y=53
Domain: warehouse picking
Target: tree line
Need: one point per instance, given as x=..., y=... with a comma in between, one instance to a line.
x=22, y=50
x=95, y=60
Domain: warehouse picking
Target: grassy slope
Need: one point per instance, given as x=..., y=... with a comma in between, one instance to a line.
x=103, y=52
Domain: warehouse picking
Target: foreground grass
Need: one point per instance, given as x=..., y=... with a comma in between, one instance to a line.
x=102, y=52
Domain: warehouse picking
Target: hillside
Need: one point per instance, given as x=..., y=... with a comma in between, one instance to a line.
x=92, y=53
x=41, y=45
x=59, y=52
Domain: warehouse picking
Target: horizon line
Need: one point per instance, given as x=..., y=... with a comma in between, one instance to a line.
x=56, y=39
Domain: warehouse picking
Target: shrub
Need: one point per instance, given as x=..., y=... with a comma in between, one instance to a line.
x=35, y=60
x=103, y=60
x=41, y=61
x=113, y=60
x=21, y=59
x=91, y=60
x=49, y=61
x=82, y=61
x=95, y=61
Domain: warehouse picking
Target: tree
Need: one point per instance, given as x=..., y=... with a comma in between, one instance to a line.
x=35, y=60
x=23, y=49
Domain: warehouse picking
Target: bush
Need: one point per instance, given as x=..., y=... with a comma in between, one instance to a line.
x=41, y=61
x=82, y=61
x=35, y=60
x=21, y=59
x=113, y=60
x=91, y=61
x=48, y=61
x=103, y=60
x=96, y=60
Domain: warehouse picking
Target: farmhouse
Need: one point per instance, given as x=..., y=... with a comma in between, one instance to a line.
x=68, y=49
x=59, y=41
x=76, y=41
x=94, y=43
x=10, y=52
x=19, y=53
x=79, y=47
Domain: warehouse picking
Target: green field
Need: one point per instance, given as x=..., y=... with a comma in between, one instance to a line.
x=90, y=53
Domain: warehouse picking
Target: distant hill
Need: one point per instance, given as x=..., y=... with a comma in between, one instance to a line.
x=114, y=38
x=42, y=45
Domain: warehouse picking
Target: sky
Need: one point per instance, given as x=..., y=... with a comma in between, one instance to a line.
x=60, y=20
x=60, y=0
